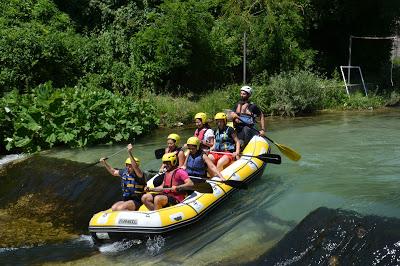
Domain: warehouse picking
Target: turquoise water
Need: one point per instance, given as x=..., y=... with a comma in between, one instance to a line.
x=349, y=161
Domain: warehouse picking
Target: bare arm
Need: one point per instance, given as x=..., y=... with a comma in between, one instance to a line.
x=262, y=123
x=135, y=167
x=111, y=170
x=185, y=163
x=156, y=189
x=237, y=144
x=188, y=183
x=181, y=158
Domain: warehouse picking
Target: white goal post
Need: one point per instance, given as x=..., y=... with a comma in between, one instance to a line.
x=347, y=83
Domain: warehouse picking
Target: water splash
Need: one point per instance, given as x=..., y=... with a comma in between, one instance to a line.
x=154, y=246
x=11, y=157
x=117, y=247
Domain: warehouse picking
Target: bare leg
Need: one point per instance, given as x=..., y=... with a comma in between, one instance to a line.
x=222, y=162
x=116, y=205
x=127, y=205
x=160, y=201
x=148, y=200
x=211, y=158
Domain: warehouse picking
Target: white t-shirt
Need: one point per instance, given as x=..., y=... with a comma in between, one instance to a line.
x=209, y=134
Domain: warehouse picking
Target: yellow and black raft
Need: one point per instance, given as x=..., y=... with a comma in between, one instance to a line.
x=113, y=225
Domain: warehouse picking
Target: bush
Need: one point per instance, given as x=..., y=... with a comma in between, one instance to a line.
x=297, y=92
x=74, y=117
x=359, y=101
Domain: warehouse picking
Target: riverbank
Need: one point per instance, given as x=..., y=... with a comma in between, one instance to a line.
x=47, y=117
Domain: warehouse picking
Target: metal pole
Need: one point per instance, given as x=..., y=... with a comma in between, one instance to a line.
x=244, y=58
x=349, y=64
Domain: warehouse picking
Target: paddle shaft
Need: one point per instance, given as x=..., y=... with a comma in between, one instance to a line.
x=231, y=183
x=285, y=150
x=268, y=158
x=199, y=187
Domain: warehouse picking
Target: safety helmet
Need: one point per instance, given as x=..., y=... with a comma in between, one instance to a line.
x=221, y=116
x=193, y=141
x=174, y=137
x=128, y=161
x=247, y=89
x=170, y=157
x=201, y=116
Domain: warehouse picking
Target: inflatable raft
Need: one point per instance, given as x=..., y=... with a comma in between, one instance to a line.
x=113, y=225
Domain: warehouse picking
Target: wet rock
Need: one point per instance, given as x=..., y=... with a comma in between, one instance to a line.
x=338, y=237
x=46, y=200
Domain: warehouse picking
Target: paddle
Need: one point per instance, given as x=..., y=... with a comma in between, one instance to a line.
x=231, y=183
x=199, y=187
x=94, y=163
x=159, y=153
x=268, y=158
x=285, y=150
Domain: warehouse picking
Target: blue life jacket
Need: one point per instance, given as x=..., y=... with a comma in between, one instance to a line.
x=247, y=119
x=224, y=140
x=129, y=184
x=195, y=165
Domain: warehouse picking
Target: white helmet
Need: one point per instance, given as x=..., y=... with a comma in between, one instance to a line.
x=247, y=89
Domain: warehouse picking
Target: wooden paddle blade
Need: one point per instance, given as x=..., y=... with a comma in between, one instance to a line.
x=159, y=153
x=289, y=152
x=235, y=184
x=202, y=188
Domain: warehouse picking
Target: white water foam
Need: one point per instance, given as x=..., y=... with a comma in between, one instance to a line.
x=119, y=246
x=11, y=157
x=7, y=249
x=154, y=246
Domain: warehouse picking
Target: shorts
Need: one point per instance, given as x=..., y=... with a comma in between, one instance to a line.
x=172, y=200
x=218, y=156
x=135, y=198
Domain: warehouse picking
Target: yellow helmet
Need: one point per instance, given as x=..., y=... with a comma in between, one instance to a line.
x=174, y=137
x=170, y=157
x=201, y=116
x=221, y=116
x=128, y=161
x=193, y=141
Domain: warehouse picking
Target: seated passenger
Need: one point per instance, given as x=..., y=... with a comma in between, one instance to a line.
x=197, y=161
x=227, y=146
x=173, y=142
x=203, y=132
x=133, y=183
x=175, y=178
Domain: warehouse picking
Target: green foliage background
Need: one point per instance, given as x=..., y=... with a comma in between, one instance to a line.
x=114, y=59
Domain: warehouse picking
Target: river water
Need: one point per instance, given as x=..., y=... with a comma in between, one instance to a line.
x=350, y=161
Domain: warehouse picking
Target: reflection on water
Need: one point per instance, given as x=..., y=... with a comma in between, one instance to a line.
x=349, y=161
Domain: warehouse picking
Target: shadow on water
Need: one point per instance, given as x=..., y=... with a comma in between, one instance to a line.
x=338, y=237
x=35, y=255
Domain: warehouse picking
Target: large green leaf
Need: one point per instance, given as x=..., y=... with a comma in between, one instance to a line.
x=22, y=142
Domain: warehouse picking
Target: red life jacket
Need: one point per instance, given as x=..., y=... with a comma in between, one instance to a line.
x=200, y=133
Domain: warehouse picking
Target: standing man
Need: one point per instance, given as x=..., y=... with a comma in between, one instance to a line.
x=132, y=182
x=175, y=180
x=244, y=116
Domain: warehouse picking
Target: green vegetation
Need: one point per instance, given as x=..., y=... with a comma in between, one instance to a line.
x=78, y=73
x=73, y=117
